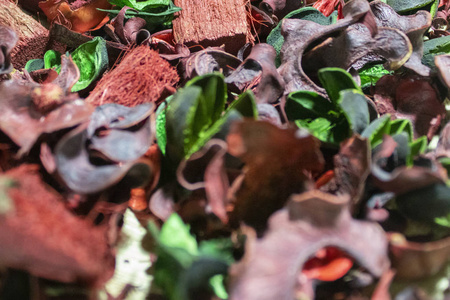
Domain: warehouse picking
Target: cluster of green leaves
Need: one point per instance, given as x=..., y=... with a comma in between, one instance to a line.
x=346, y=113
x=91, y=59
x=157, y=13
x=185, y=267
x=196, y=113
x=431, y=48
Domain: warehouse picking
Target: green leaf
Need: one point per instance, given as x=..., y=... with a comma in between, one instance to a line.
x=443, y=221
x=335, y=80
x=401, y=125
x=92, y=60
x=434, y=47
x=276, y=39
x=308, y=105
x=218, y=285
x=354, y=105
x=179, y=118
x=154, y=14
x=371, y=74
x=142, y=5
x=175, y=233
x=52, y=59
x=402, y=6
x=6, y=203
x=161, y=136
x=245, y=104
x=418, y=147
x=34, y=65
x=377, y=129
x=214, y=91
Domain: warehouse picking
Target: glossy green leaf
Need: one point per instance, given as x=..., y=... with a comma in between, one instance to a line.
x=335, y=80
x=377, y=129
x=92, y=60
x=371, y=74
x=308, y=105
x=354, y=105
x=276, y=39
x=402, y=6
x=147, y=5
x=161, y=136
x=52, y=59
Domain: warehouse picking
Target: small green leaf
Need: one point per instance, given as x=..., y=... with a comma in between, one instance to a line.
x=418, y=146
x=34, y=65
x=147, y=5
x=245, y=104
x=434, y=47
x=218, y=285
x=92, y=60
x=52, y=59
x=214, y=91
x=371, y=74
x=335, y=80
x=443, y=221
x=175, y=233
x=402, y=6
x=377, y=129
x=161, y=136
x=6, y=203
x=401, y=125
x=354, y=105
x=309, y=105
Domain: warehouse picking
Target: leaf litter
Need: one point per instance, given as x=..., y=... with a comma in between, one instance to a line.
x=141, y=160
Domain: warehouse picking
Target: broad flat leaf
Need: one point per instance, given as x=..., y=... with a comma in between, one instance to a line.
x=175, y=233
x=354, y=106
x=245, y=105
x=402, y=6
x=335, y=80
x=305, y=13
x=434, y=47
x=377, y=129
x=92, y=60
x=306, y=105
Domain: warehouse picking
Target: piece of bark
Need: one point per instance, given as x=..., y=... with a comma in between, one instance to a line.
x=33, y=37
x=141, y=77
x=212, y=23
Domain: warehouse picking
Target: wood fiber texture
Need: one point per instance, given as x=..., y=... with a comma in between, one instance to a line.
x=212, y=23
x=33, y=37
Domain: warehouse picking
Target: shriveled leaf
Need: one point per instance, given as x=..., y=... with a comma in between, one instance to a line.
x=270, y=178
x=312, y=221
x=275, y=37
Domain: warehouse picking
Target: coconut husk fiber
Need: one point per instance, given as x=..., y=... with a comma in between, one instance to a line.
x=33, y=37
x=141, y=77
x=212, y=23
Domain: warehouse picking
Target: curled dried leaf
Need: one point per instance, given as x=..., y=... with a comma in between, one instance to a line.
x=271, y=267
x=79, y=19
x=279, y=162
